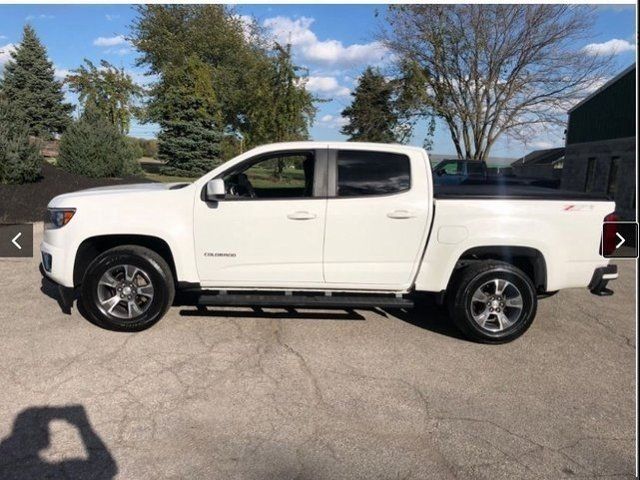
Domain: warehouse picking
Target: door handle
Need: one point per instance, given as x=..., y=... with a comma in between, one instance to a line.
x=400, y=214
x=301, y=215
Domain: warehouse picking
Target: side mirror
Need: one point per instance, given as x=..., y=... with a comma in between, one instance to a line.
x=215, y=190
x=440, y=172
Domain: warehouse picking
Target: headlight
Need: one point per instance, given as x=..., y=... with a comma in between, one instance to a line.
x=58, y=217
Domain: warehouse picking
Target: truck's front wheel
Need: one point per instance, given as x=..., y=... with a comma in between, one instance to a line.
x=127, y=288
x=491, y=301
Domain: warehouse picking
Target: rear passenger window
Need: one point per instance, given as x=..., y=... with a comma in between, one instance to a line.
x=372, y=173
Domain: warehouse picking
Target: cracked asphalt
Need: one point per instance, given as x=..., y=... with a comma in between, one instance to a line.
x=275, y=394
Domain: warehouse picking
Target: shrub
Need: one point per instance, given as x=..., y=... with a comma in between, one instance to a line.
x=92, y=146
x=148, y=147
x=136, y=147
x=20, y=159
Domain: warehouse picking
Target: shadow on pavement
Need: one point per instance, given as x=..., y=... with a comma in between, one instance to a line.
x=283, y=313
x=50, y=289
x=428, y=316
x=20, y=451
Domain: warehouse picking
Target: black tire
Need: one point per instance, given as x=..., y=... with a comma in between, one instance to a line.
x=149, y=267
x=479, y=275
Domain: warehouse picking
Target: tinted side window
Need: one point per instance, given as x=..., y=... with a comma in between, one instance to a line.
x=372, y=173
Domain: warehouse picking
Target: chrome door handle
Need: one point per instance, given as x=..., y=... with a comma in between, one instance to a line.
x=301, y=215
x=400, y=214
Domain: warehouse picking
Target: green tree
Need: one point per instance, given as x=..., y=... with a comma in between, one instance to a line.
x=186, y=108
x=30, y=86
x=20, y=159
x=249, y=76
x=372, y=115
x=93, y=146
x=284, y=109
x=109, y=88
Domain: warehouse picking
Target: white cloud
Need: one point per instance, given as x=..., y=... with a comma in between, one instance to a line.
x=610, y=47
x=3, y=37
x=333, y=52
x=61, y=73
x=5, y=52
x=111, y=17
x=110, y=41
x=331, y=121
x=286, y=30
x=298, y=33
x=326, y=86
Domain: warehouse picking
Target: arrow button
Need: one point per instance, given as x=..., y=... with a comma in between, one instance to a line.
x=620, y=239
x=16, y=240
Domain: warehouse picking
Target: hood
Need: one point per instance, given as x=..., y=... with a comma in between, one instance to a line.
x=139, y=187
x=113, y=190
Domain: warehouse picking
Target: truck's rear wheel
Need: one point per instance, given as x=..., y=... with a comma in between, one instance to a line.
x=492, y=302
x=127, y=288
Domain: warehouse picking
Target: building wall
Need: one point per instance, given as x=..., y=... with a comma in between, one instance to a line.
x=610, y=114
x=538, y=171
x=576, y=165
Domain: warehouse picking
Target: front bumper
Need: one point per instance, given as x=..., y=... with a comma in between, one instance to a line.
x=602, y=276
x=66, y=295
x=56, y=265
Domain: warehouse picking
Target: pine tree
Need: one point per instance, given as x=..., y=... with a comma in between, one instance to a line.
x=20, y=159
x=30, y=86
x=186, y=108
x=372, y=116
x=93, y=146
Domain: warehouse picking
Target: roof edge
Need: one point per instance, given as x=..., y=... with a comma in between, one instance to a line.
x=607, y=84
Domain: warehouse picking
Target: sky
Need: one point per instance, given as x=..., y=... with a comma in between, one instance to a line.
x=334, y=42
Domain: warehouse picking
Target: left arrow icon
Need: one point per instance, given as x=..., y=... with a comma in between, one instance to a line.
x=14, y=240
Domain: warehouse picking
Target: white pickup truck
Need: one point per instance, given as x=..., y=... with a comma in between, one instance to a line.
x=325, y=224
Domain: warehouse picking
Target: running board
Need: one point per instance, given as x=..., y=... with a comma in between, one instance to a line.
x=304, y=301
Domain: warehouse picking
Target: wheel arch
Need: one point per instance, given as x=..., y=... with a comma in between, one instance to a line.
x=528, y=259
x=91, y=247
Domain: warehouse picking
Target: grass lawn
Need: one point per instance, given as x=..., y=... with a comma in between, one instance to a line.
x=156, y=177
x=260, y=178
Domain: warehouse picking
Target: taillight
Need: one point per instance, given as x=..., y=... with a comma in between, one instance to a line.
x=609, y=230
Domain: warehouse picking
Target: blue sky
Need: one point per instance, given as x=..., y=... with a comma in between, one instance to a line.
x=335, y=43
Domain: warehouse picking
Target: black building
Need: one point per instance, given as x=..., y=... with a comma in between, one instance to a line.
x=545, y=164
x=600, y=154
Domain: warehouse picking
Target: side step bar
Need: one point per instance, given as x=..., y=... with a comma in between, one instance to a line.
x=304, y=301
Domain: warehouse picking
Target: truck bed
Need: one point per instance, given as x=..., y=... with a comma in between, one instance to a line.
x=501, y=190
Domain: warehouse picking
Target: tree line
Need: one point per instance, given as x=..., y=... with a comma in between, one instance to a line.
x=220, y=85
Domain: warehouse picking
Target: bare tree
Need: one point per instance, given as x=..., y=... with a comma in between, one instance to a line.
x=489, y=70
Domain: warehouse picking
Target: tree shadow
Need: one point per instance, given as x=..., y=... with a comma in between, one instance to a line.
x=20, y=451
x=280, y=313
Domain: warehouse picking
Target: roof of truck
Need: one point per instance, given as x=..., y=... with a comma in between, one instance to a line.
x=335, y=144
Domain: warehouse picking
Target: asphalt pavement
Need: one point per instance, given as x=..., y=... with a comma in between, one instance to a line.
x=276, y=394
